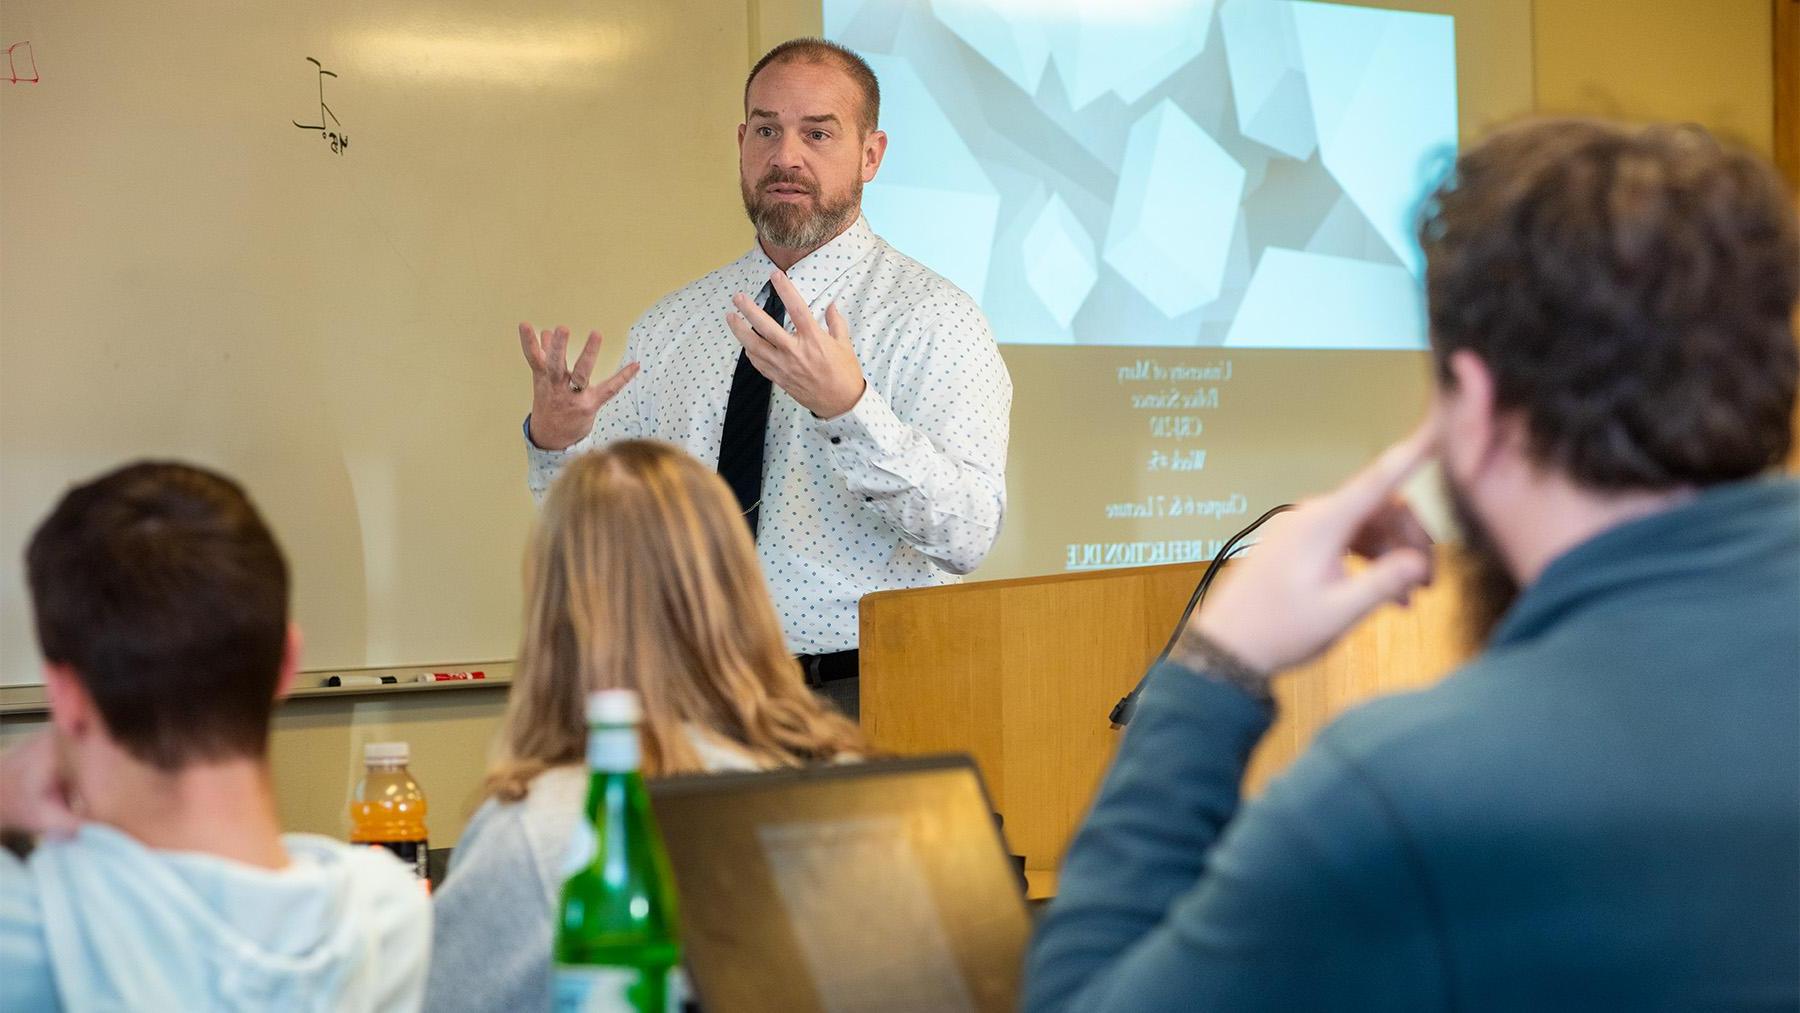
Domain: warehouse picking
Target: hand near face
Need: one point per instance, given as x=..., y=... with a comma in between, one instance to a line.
x=1293, y=597
x=563, y=401
x=34, y=798
x=815, y=364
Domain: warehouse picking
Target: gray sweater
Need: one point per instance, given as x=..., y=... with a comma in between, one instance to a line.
x=491, y=943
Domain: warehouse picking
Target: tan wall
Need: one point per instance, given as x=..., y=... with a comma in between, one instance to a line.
x=1786, y=15
x=1708, y=61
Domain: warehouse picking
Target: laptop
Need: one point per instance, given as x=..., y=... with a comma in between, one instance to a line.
x=853, y=888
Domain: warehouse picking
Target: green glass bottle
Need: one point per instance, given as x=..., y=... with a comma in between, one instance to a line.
x=617, y=938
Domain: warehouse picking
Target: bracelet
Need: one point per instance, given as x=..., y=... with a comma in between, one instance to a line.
x=1208, y=657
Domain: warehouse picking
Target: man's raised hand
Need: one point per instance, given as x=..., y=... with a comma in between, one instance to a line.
x=816, y=364
x=563, y=400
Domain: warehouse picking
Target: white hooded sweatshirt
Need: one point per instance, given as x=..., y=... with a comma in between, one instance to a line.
x=100, y=922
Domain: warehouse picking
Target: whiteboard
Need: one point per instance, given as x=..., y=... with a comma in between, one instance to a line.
x=189, y=269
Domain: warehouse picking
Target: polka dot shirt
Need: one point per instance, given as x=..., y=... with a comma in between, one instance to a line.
x=907, y=489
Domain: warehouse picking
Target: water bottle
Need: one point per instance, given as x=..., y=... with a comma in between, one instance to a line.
x=617, y=943
x=387, y=809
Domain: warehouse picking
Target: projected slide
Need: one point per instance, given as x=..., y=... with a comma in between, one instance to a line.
x=1173, y=173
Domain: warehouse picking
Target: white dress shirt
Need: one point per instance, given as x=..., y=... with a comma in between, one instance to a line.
x=907, y=489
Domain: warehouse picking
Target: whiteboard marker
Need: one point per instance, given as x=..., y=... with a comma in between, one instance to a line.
x=362, y=680
x=450, y=676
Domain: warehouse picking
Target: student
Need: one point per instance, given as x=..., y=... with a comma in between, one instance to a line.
x=641, y=575
x=1602, y=809
x=163, y=881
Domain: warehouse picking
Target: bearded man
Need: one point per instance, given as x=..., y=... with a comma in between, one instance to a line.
x=1599, y=811
x=854, y=401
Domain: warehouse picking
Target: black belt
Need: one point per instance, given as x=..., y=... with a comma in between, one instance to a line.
x=820, y=669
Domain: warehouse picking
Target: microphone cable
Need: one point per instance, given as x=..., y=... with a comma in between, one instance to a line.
x=1120, y=716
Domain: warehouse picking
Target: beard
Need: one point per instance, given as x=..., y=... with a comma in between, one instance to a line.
x=1488, y=587
x=798, y=225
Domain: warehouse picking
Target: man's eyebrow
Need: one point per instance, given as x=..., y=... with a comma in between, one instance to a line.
x=764, y=114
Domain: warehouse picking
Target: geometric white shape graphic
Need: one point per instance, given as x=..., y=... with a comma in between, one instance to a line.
x=1268, y=77
x=1310, y=300
x=840, y=15
x=1383, y=91
x=930, y=193
x=1125, y=47
x=917, y=218
x=1345, y=232
x=1174, y=212
x=1008, y=37
x=1099, y=171
x=1060, y=264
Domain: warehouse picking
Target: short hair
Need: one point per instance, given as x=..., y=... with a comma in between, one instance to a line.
x=160, y=586
x=813, y=50
x=1632, y=291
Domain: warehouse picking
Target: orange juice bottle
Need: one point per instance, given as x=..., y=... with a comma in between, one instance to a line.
x=387, y=808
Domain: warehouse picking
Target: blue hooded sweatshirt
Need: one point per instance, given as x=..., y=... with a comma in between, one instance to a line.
x=101, y=922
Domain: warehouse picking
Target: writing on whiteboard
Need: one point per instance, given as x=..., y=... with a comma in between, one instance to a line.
x=21, y=65
x=336, y=138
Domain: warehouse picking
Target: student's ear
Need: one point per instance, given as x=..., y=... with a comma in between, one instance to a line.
x=1471, y=433
x=290, y=662
x=72, y=710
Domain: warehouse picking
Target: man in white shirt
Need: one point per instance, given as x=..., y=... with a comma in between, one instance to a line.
x=866, y=436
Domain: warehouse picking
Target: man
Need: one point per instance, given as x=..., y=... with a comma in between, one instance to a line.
x=879, y=459
x=163, y=881
x=1602, y=809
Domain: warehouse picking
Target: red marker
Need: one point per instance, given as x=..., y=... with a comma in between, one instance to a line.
x=450, y=676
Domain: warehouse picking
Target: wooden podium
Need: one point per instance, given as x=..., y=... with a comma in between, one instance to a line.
x=1021, y=674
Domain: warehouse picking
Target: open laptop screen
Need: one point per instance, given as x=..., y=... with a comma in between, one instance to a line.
x=860, y=887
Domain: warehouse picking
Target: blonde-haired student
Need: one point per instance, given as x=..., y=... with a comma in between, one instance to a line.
x=641, y=574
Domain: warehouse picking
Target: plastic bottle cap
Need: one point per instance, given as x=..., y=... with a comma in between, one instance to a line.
x=386, y=752
x=613, y=707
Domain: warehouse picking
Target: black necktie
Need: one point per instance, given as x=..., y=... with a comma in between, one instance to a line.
x=746, y=426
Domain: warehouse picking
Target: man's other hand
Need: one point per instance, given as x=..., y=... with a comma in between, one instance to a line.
x=563, y=401
x=816, y=364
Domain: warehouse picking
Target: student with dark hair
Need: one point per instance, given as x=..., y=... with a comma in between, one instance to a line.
x=1602, y=809
x=162, y=880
